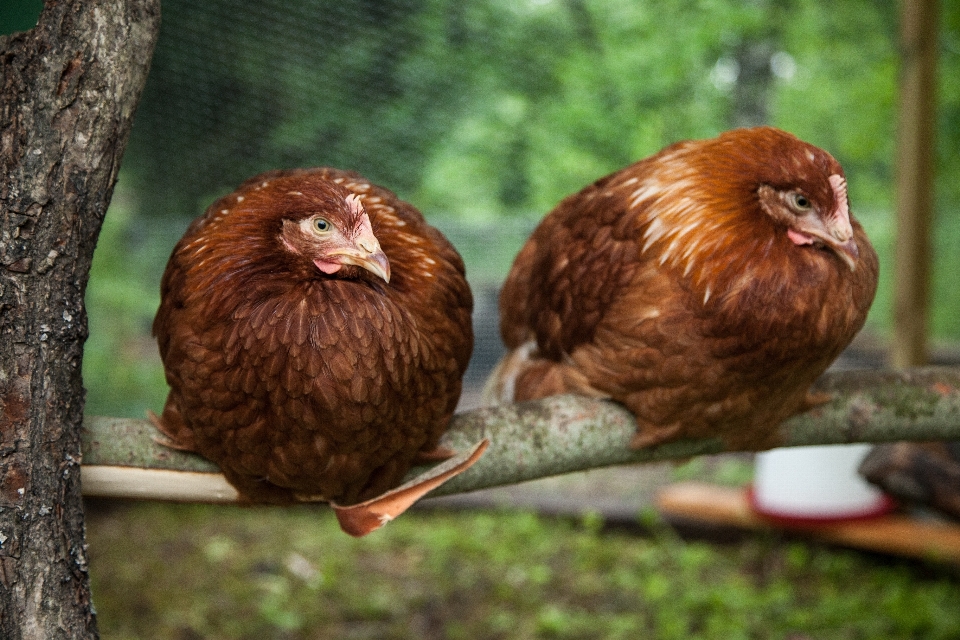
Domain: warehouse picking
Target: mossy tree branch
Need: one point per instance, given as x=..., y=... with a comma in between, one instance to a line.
x=569, y=433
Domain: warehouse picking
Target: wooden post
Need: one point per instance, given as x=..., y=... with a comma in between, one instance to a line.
x=914, y=199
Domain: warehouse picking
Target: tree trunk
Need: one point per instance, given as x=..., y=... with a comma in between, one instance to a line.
x=68, y=91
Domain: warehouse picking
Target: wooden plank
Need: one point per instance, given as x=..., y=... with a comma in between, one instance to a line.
x=895, y=534
x=104, y=481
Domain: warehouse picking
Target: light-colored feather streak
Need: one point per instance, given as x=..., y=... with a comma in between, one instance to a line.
x=655, y=231
x=522, y=354
x=648, y=191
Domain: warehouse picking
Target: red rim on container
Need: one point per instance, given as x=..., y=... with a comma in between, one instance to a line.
x=885, y=504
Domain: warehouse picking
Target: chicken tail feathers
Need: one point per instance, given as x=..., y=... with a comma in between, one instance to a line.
x=176, y=434
x=522, y=375
x=363, y=518
x=501, y=385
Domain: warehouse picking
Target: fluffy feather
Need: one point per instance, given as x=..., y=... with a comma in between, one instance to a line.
x=314, y=331
x=705, y=287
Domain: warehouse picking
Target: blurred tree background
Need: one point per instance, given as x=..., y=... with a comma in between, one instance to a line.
x=490, y=109
x=484, y=114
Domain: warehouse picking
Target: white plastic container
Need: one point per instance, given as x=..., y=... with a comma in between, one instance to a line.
x=815, y=485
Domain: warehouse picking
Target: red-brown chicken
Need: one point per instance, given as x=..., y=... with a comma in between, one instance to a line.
x=705, y=288
x=314, y=330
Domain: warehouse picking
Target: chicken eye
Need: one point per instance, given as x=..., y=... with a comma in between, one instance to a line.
x=322, y=225
x=799, y=201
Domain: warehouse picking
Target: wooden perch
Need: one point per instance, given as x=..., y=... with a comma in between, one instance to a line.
x=553, y=436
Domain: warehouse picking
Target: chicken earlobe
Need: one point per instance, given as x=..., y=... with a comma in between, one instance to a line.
x=812, y=226
x=365, y=251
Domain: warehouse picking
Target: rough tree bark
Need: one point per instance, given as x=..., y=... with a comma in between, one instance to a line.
x=68, y=91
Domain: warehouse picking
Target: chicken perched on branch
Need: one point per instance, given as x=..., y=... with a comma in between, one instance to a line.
x=314, y=330
x=705, y=288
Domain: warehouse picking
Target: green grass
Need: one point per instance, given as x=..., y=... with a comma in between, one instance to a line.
x=168, y=571
x=122, y=371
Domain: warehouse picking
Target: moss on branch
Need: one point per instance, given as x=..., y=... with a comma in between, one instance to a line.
x=569, y=433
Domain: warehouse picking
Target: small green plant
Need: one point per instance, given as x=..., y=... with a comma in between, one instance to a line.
x=168, y=571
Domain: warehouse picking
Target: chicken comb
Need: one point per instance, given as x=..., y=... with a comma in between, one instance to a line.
x=842, y=213
x=356, y=207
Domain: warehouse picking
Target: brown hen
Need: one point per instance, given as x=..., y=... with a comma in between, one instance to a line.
x=705, y=288
x=314, y=330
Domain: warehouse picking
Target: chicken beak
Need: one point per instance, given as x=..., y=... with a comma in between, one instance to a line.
x=364, y=251
x=377, y=264
x=848, y=252
x=837, y=234
x=367, y=255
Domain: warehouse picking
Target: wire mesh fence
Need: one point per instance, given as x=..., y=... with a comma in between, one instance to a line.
x=483, y=114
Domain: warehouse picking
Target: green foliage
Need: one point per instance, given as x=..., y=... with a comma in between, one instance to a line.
x=121, y=366
x=19, y=15
x=166, y=571
x=239, y=87
x=843, y=94
x=583, y=92
x=489, y=108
